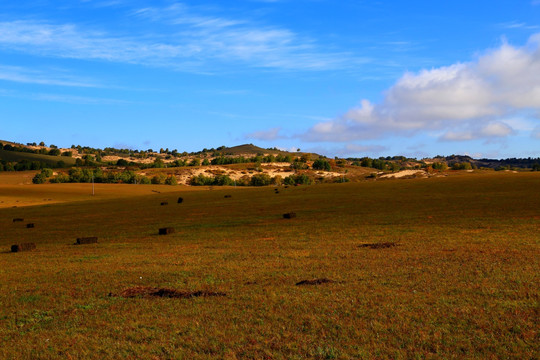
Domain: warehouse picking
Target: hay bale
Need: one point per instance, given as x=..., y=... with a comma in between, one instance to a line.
x=164, y=203
x=227, y=196
x=18, y=219
x=289, y=215
x=87, y=240
x=166, y=231
x=23, y=247
x=29, y=225
x=180, y=200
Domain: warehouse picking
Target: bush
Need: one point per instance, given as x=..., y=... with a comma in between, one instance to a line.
x=321, y=164
x=47, y=172
x=158, y=179
x=260, y=180
x=60, y=178
x=462, y=166
x=39, y=179
x=171, y=180
x=301, y=179
x=439, y=166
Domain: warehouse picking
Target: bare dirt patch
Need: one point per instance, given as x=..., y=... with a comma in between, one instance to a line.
x=314, y=282
x=151, y=292
x=383, y=245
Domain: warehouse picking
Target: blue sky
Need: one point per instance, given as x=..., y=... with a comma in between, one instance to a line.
x=341, y=78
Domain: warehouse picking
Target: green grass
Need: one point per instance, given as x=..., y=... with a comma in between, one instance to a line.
x=48, y=159
x=462, y=283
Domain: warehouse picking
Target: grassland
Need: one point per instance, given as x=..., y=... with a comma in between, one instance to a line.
x=17, y=156
x=462, y=283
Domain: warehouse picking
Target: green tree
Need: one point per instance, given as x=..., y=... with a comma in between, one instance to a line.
x=171, y=180
x=260, y=180
x=321, y=164
x=158, y=179
x=195, y=162
x=39, y=179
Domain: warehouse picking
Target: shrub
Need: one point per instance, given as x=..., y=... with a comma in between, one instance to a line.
x=122, y=162
x=260, y=180
x=39, y=179
x=301, y=179
x=47, y=172
x=321, y=164
x=158, y=179
x=143, y=180
x=171, y=180
x=439, y=166
x=60, y=178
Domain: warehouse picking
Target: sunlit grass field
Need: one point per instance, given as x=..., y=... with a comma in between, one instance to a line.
x=462, y=281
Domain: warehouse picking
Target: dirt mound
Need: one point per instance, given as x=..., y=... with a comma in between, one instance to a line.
x=315, y=282
x=149, y=292
x=379, y=245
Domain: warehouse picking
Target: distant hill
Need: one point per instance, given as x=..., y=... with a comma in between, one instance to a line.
x=250, y=149
x=490, y=163
x=16, y=156
x=253, y=150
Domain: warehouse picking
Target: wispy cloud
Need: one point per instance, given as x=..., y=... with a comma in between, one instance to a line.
x=191, y=42
x=266, y=135
x=464, y=101
x=518, y=25
x=33, y=76
x=63, y=98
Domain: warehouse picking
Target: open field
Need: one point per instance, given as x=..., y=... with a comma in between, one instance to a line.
x=462, y=282
x=16, y=189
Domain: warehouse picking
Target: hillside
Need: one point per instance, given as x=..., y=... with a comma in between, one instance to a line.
x=16, y=156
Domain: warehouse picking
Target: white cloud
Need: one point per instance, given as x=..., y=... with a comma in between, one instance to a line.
x=33, y=76
x=536, y=133
x=190, y=41
x=265, y=135
x=463, y=101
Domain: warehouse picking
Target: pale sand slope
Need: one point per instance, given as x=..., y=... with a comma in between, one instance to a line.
x=403, y=173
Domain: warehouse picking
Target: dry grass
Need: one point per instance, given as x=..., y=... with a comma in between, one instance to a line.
x=462, y=284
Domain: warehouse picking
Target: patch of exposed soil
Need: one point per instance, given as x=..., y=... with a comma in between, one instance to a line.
x=379, y=245
x=315, y=281
x=150, y=292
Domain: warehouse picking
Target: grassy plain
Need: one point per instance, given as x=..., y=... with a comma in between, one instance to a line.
x=462, y=283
